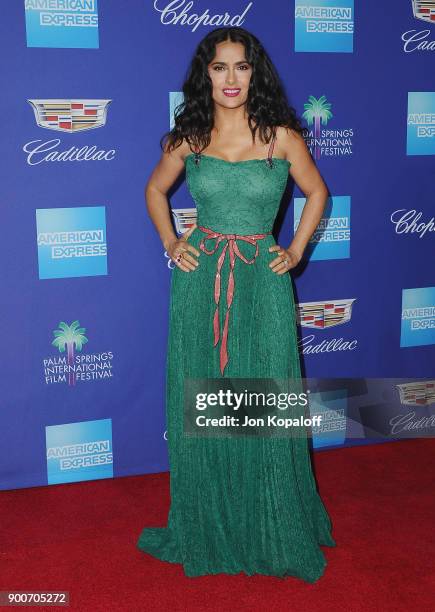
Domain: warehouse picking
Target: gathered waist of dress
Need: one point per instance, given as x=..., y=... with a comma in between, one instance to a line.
x=228, y=227
x=231, y=246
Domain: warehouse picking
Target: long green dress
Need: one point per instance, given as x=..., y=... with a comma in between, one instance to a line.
x=247, y=503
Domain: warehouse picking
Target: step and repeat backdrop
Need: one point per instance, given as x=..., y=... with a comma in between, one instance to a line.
x=89, y=87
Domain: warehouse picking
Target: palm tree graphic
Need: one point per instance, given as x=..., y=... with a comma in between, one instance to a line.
x=317, y=111
x=66, y=337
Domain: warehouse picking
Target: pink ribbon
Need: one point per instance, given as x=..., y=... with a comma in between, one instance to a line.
x=232, y=247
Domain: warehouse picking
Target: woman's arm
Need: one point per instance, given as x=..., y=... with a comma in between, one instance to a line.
x=308, y=179
x=162, y=178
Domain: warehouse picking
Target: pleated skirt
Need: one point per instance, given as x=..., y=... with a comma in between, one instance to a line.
x=240, y=503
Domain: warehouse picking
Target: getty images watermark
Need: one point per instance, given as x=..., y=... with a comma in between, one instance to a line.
x=236, y=400
x=332, y=409
x=216, y=407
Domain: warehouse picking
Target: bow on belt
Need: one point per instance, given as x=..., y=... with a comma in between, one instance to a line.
x=232, y=247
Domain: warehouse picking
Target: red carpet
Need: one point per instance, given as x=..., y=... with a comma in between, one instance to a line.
x=81, y=538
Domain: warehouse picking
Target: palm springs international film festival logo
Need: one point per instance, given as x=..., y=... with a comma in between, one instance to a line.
x=417, y=40
x=323, y=315
x=324, y=25
x=71, y=242
x=418, y=317
x=62, y=23
x=420, y=135
x=79, y=451
x=70, y=116
x=68, y=367
x=321, y=141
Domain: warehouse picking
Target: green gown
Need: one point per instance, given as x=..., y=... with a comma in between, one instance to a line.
x=248, y=503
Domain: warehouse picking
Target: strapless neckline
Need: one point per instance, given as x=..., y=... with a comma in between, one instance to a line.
x=240, y=161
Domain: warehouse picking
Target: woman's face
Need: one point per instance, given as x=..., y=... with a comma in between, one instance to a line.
x=230, y=74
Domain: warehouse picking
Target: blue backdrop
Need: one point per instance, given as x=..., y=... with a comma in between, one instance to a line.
x=88, y=89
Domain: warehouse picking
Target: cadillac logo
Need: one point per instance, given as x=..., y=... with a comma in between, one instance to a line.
x=417, y=393
x=184, y=218
x=324, y=314
x=70, y=115
x=424, y=9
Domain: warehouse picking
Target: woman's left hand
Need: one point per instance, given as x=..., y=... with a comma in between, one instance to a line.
x=287, y=258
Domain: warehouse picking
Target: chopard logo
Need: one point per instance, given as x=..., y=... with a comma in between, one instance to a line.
x=408, y=222
x=178, y=13
x=416, y=40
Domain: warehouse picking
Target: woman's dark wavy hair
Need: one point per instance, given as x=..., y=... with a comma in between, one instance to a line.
x=267, y=106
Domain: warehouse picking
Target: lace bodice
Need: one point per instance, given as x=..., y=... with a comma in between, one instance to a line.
x=240, y=197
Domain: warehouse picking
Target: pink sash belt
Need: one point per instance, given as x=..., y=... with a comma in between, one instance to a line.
x=233, y=249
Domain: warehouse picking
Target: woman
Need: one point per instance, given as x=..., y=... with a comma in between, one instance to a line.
x=239, y=503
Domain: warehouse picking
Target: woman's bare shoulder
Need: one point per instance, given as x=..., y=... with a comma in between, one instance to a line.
x=287, y=135
x=170, y=165
x=179, y=152
x=288, y=142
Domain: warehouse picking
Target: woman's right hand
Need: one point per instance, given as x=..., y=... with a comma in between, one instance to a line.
x=180, y=246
